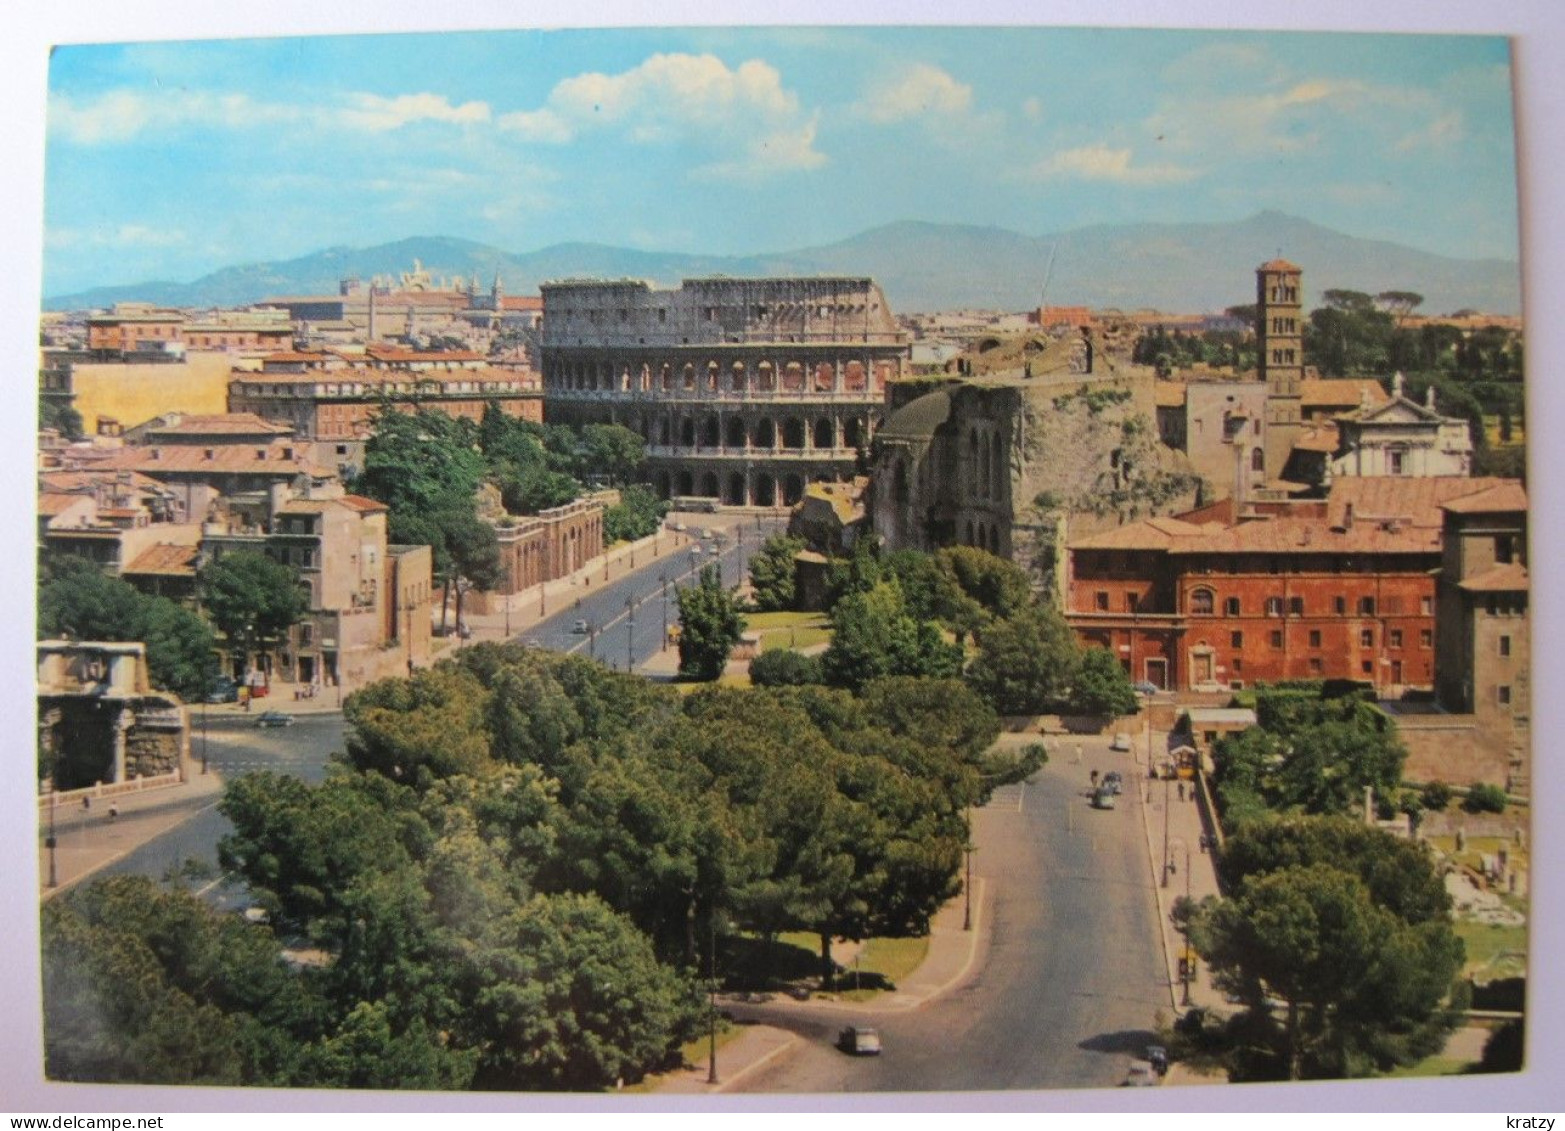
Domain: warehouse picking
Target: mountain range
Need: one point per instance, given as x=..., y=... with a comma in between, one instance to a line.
x=1184, y=268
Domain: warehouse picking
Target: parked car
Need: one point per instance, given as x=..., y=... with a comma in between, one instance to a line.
x=273, y=719
x=1140, y=1074
x=1121, y=742
x=1103, y=798
x=579, y=628
x=856, y=1040
x=223, y=691
x=1113, y=783
x=1146, y=687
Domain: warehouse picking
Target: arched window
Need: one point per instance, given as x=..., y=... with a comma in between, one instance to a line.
x=1202, y=602
x=1257, y=460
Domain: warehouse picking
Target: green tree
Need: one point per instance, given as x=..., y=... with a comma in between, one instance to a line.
x=1026, y=662
x=251, y=599
x=873, y=636
x=772, y=573
x=709, y=626
x=613, y=451
x=638, y=514
x=472, y=554
x=77, y=601
x=1101, y=686
x=782, y=667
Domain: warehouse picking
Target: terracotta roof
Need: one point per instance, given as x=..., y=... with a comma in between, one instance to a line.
x=225, y=458
x=1278, y=265
x=1321, y=438
x=1417, y=499
x=394, y=353
x=1508, y=578
x=1313, y=536
x=227, y=423
x=76, y=482
x=1506, y=496
x=166, y=558
x=365, y=375
x=1149, y=534
x=1169, y=394
x=521, y=302
x=360, y=503
x=51, y=503
x=1341, y=390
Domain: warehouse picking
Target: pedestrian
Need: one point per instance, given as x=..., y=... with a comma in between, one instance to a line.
x=114, y=811
x=1094, y=777
x=86, y=802
x=1181, y=791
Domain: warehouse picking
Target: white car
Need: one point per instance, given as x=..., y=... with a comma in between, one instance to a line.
x=1121, y=742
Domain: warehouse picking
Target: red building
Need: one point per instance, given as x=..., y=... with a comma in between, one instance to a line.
x=1338, y=588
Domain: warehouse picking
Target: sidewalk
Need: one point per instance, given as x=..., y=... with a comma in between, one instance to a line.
x=1190, y=871
x=949, y=960
x=87, y=840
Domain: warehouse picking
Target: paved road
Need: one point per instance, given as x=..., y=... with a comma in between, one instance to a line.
x=235, y=746
x=622, y=634
x=1065, y=992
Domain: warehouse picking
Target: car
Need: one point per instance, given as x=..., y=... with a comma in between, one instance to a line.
x=579, y=628
x=223, y=691
x=1103, y=798
x=1146, y=687
x=273, y=719
x=857, y=1040
x=1113, y=782
x=1121, y=742
x=1140, y=1074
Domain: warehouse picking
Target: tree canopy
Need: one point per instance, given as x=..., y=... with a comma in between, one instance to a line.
x=710, y=625
x=252, y=599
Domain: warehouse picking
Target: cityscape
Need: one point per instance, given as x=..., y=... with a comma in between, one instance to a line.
x=591, y=576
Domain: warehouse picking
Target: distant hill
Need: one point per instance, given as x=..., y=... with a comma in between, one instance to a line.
x=1186, y=268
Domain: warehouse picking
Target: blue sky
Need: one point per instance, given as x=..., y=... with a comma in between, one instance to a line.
x=168, y=160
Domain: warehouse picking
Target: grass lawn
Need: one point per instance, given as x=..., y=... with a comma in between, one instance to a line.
x=1486, y=942
x=693, y=1053
x=1436, y=1065
x=788, y=630
x=881, y=963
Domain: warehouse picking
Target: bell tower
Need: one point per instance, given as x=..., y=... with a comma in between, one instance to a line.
x=1279, y=334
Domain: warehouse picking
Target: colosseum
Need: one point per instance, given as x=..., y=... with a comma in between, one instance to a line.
x=745, y=390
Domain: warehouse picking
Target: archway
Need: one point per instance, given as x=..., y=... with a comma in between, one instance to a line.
x=660, y=482
x=735, y=433
x=765, y=491
x=825, y=434
x=709, y=485
x=853, y=432
x=765, y=433
x=687, y=483
x=687, y=432
x=711, y=433
x=793, y=489
x=736, y=489
x=793, y=433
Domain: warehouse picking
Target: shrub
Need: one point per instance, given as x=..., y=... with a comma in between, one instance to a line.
x=784, y=667
x=1435, y=796
x=1485, y=798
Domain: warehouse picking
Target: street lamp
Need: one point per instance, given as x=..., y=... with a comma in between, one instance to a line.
x=630, y=633
x=54, y=878
x=663, y=578
x=1165, y=832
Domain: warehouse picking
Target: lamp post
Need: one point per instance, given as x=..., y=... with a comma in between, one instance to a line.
x=1184, y=956
x=663, y=579
x=630, y=633
x=54, y=879
x=1165, y=832
x=711, y=982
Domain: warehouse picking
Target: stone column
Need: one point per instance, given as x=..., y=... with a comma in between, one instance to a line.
x=120, y=727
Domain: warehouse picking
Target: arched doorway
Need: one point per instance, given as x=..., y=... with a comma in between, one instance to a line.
x=735, y=497
x=825, y=434
x=793, y=489
x=765, y=491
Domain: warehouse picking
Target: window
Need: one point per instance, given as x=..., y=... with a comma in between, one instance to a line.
x=1277, y=638
x=1315, y=665
x=1505, y=645
x=1100, y=601
x=1426, y=606
x=1367, y=667
x=1503, y=694
x=1426, y=638
x=1237, y=665
x=1397, y=463
x=1366, y=606
x=1131, y=602
x=1296, y=606
x=1341, y=605
x=306, y=635
x=1231, y=607
x=1367, y=638
x=1274, y=606
x=1236, y=640
x=1395, y=638
x=1314, y=638
x=1201, y=602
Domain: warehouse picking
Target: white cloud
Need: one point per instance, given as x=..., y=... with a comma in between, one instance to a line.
x=121, y=115
x=920, y=91
x=114, y=236
x=1446, y=130
x=778, y=152
x=377, y=114
x=1099, y=162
